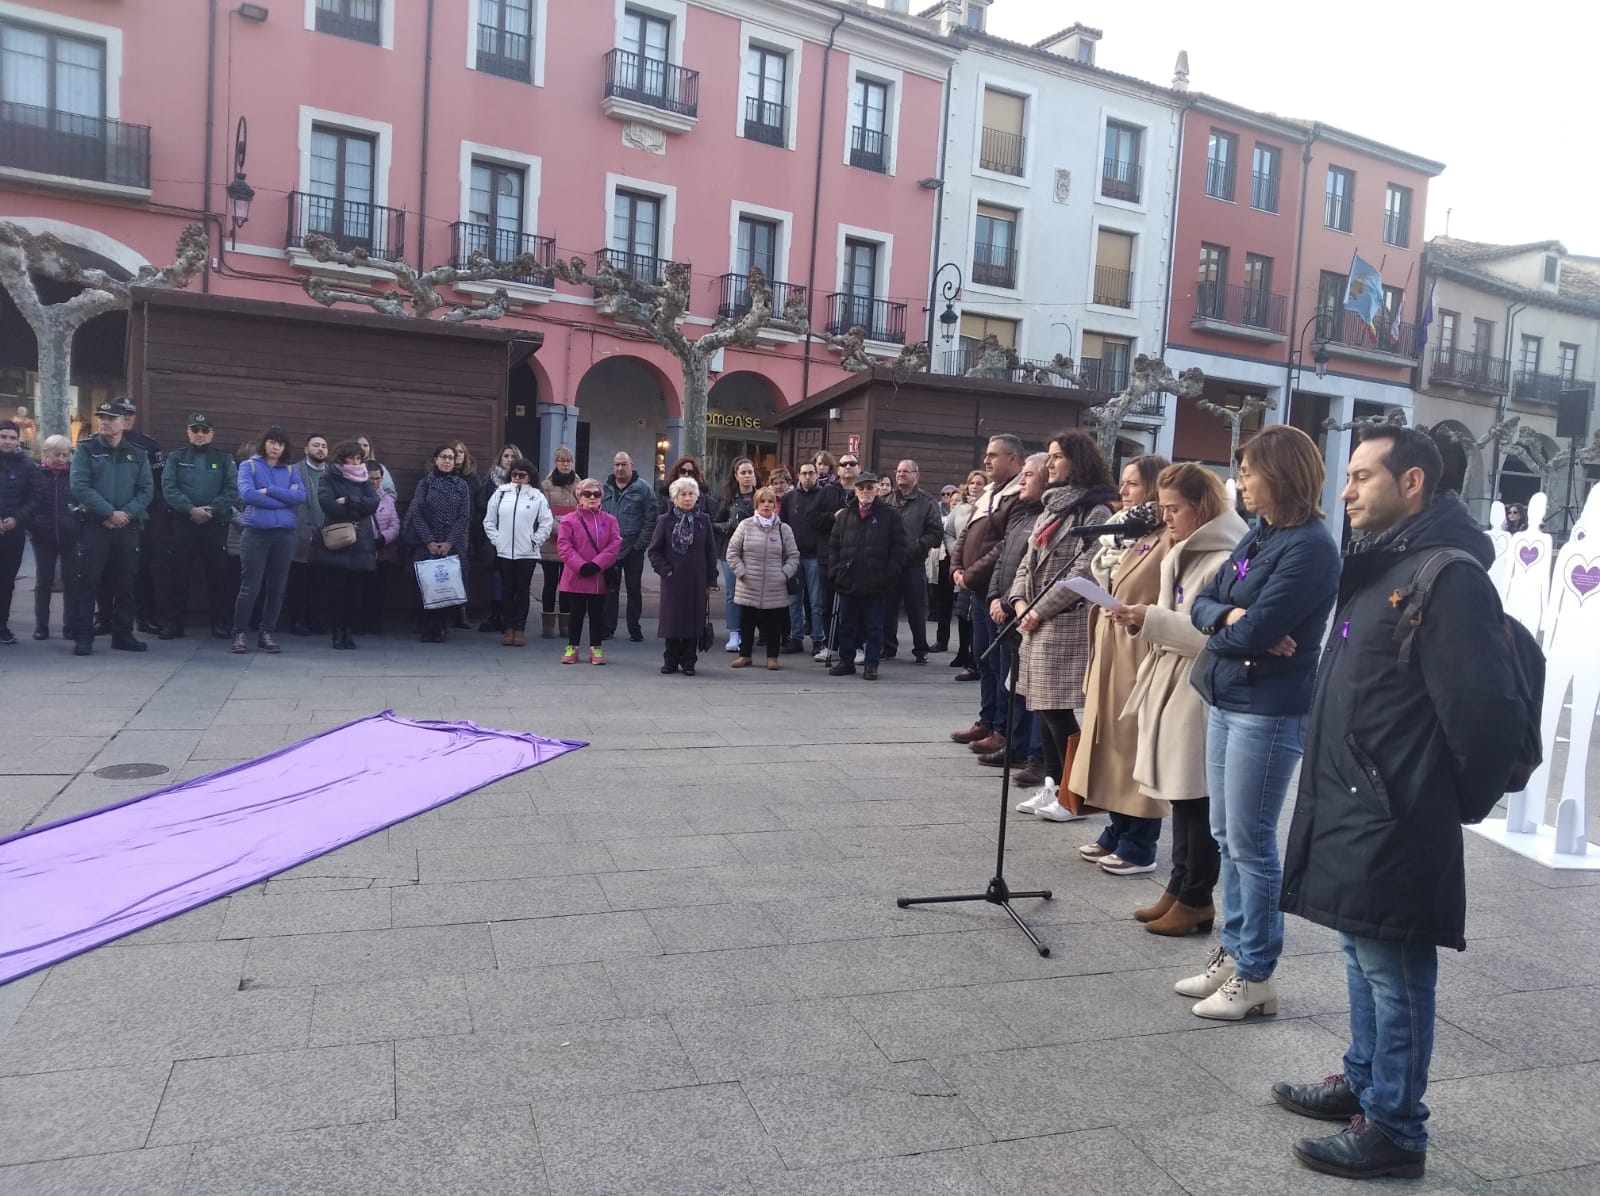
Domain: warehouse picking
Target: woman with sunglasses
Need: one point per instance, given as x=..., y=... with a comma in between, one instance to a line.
x=517, y=521
x=589, y=540
x=436, y=526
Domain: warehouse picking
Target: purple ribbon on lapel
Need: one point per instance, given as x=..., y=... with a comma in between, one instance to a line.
x=1240, y=568
x=1179, y=596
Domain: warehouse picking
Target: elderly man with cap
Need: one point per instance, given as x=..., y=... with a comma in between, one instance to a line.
x=111, y=481
x=201, y=485
x=866, y=553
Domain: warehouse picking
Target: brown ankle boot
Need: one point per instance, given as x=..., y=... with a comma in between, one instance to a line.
x=520, y=639
x=1151, y=912
x=508, y=638
x=1184, y=919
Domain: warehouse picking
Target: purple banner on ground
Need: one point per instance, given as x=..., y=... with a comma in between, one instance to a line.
x=76, y=884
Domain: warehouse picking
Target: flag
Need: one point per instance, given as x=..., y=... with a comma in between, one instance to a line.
x=1363, y=293
x=1395, y=331
x=1427, y=320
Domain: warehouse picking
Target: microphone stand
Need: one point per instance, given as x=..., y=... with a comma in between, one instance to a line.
x=999, y=893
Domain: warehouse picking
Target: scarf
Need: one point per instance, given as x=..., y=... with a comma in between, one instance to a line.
x=683, y=532
x=356, y=473
x=765, y=522
x=557, y=478
x=498, y=476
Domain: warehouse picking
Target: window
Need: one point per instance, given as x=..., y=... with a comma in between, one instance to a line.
x=758, y=247
x=359, y=20
x=1264, y=178
x=1105, y=361
x=869, y=117
x=975, y=327
x=1001, y=147
x=1483, y=338
x=1530, y=353
x=1221, y=153
x=642, y=66
x=505, y=38
x=339, y=204
x=495, y=201
x=636, y=235
x=1257, y=290
x=1330, y=305
x=1552, y=268
x=1086, y=53
x=1209, y=301
x=994, y=253
x=860, y=290
x=766, y=74
x=1569, y=361
x=1390, y=318
x=1448, y=322
x=1119, y=176
x=975, y=15
x=1337, y=208
x=1397, y=215
x=1113, y=266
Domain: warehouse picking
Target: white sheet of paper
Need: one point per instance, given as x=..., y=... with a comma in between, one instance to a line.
x=1087, y=589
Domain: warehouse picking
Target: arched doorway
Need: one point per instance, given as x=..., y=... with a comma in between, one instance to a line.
x=1463, y=464
x=624, y=404
x=739, y=421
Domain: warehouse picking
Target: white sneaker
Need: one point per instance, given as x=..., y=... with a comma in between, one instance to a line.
x=733, y=643
x=1238, y=998
x=1118, y=866
x=1092, y=852
x=1219, y=970
x=823, y=656
x=1056, y=812
x=1039, y=800
x=861, y=656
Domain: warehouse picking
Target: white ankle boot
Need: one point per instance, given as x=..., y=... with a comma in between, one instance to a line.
x=1039, y=800
x=1219, y=969
x=1056, y=812
x=1238, y=998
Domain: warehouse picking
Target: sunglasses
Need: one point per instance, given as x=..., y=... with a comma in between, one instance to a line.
x=200, y=428
x=588, y=494
x=517, y=473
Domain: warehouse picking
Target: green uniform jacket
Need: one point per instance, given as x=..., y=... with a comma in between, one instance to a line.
x=201, y=477
x=106, y=479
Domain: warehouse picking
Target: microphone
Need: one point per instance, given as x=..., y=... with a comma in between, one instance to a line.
x=1140, y=521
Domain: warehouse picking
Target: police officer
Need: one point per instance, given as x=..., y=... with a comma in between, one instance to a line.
x=144, y=585
x=200, y=485
x=112, y=486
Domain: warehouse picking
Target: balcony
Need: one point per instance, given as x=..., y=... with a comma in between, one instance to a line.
x=1001, y=152
x=348, y=223
x=503, y=53
x=1336, y=211
x=1120, y=180
x=735, y=290
x=44, y=145
x=1533, y=387
x=766, y=122
x=504, y=245
x=644, y=270
x=1247, y=312
x=1473, y=371
x=869, y=149
x=994, y=265
x=1396, y=229
x=1347, y=336
x=1112, y=288
x=651, y=91
x=352, y=24
x=1263, y=191
x=961, y=361
x=881, y=319
x=1219, y=179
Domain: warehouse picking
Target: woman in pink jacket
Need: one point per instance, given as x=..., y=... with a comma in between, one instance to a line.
x=386, y=536
x=588, y=541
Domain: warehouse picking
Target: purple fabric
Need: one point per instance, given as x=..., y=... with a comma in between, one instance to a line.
x=76, y=884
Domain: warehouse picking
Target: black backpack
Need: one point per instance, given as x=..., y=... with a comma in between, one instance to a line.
x=1527, y=664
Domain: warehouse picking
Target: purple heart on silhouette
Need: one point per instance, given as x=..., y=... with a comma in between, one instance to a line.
x=1528, y=553
x=1584, y=581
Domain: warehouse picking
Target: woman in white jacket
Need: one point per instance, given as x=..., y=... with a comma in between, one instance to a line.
x=518, y=522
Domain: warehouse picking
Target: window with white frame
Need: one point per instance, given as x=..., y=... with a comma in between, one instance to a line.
x=994, y=250
x=339, y=199
x=358, y=20
x=497, y=198
x=646, y=50
x=505, y=38
x=766, y=82
x=1119, y=174
x=869, y=125
x=636, y=235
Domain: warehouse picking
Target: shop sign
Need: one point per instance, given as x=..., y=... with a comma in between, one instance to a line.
x=733, y=419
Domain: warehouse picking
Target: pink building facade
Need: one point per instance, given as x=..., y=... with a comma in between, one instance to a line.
x=719, y=133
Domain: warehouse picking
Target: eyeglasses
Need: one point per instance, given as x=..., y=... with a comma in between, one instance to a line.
x=850, y=462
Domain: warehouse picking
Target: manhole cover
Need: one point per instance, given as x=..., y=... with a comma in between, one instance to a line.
x=130, y=772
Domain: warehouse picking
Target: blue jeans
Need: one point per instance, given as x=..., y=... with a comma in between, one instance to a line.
x=992, y=673
x=730, y=611
x=861, y=625
x=1249, y=760
x=811, y=594
x=264, y=557
x=1132, y=839
x=1391, y=1033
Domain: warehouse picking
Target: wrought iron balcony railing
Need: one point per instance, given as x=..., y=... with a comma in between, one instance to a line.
x=1112, y=287
x=1120, y=180
x=348, y=223
x=735, y=301
x=1347, y=329
x=1264, y=191
x=1219, y=178
x=994, y=265
x=1475, y=371
x=652, y=82
x=882, y=320
x=766, y=121
x=356, y=28
x=1247, y=307
x=1001, y=151
x=503, y=245
x=47, y=141
x=646, y=271
x=503, y=53
x=869, y=149
x=1396, y=229
x=1534, y=387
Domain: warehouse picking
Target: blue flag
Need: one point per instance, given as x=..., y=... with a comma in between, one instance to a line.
x=1427, y=321
x=1363, y=293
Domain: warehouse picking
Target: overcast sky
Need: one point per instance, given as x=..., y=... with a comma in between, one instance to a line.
x=1506, y=98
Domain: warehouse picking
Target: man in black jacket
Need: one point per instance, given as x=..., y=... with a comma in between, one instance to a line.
x=16, y=511
x=866, y=551
x=800, y=508
x=1396, y=759
x=924, y=532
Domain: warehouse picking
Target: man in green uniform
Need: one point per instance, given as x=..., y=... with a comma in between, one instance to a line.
x=201, y=485
x=112, y=486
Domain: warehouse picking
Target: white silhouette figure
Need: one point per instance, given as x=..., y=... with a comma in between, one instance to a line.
x=1528, y=591
x=1500, y=541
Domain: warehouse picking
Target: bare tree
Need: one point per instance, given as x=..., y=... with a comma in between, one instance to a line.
x=1001, y=362
x=25, y=255
x=417, y=291
x=1151, y=376
x=1235, y=416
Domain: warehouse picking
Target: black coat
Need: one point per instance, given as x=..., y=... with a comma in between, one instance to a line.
x=731, y=512
x=867, y=553
x=16, y=488
x=1393, y=757
x=808, y=514
x=360, y=504
x=52, y=507
x=684, y=579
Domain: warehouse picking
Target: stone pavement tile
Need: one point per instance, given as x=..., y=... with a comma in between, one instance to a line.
x=1090, y=1008
x=859, y=841
x=474, y=1151
x=816, y=815
x=158, y=1171
x=173, y=716
x=496, y=900
x=241, y=711
x=366, y=859
x=14, y=999
x=1250, y=1056
x=1573, y=1181
x=938, y=1173
x=257, y=916
x=482, y=803
x=772, y=1040
x=196, y=968
x=542, y=1062
x=783, y=846
x=1456, y=1053
x=1087, y=1163
x=95, y=1111
x=1219, y=1153
x=686, y=851
x=199, y=925
x=920, y=1025
x=359, y=955
x=277, y=885
x=249, y=740
x=913, y=875
x=515, y=1000
x=210, y=1099
x=171, y=748
x=642, y=824
x=712, y=928
x=864, y=1111
x=909, y=962
x=826, y=919
x=757, y=883
x=724, y=819
x=703, y=1139
x=1535, y=961
x=513, y=862
x=88, y=792
x=479, y=832
x=51, y=753
x=704, y=980
x=379, y=1010
x=1548, y=1027
x=577, y=938
x=26, y=797
x=661, y=888
x=1083, y=1085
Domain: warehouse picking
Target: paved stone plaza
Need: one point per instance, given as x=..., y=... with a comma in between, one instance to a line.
x=672, y=963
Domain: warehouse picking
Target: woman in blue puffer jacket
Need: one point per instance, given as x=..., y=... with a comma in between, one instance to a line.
x=269, y=491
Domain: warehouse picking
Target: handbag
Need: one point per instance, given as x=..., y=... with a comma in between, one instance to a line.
x=793, y=585
x=708, y=635
x=439, y=581
x=336, y=536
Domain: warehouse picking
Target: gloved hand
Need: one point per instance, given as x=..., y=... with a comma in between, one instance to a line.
x=588, y=569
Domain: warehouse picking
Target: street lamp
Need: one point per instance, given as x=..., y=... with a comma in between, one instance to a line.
x=949, y=292
x=240, y=193
x=1319, y=357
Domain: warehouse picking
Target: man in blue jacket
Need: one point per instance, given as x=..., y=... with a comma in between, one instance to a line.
x=1397, y=758
x=631, y=501
x=112, y=484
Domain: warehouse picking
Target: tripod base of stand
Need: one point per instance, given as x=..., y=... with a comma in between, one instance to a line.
x=998, y=893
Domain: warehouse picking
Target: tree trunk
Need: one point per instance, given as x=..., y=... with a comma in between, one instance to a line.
x=696, y=401
x=55, y=377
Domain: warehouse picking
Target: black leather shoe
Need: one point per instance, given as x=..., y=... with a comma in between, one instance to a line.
x=1362, y=1151
x=149, y=626
x=688, y=670
x=299, y=629
x=41, y=633
x=83, y=648
x=843, y=669
x=126, y=643
x=870, y=673
x=967, y=675
x=668, y=669
x=6, y=637
x=1331, y=1100
x=919, y=658
x=170, y=633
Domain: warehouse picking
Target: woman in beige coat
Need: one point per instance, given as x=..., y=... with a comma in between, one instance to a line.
x=763, y=557
x=1170, y=762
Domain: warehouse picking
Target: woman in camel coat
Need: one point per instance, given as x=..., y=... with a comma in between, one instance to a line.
x=1170, y=763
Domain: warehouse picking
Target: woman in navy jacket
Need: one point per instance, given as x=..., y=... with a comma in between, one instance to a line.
x=1264, y=615
x=269, y=492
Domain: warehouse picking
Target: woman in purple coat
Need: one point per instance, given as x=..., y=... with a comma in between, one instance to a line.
x=683, y=552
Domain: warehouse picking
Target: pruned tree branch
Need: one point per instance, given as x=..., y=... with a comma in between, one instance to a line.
x=417, y=292
x=1151, y=376
x=1234, y=417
